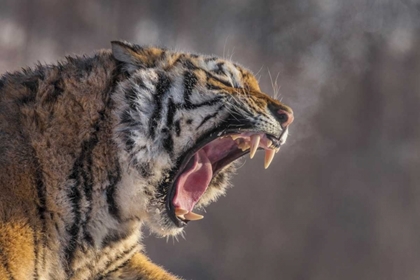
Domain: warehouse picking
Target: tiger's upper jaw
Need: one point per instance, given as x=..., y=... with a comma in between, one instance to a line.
x=182, y=120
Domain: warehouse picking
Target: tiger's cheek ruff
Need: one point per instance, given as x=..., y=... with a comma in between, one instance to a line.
x=160, y=115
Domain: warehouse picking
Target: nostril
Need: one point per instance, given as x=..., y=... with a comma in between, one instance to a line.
x=284, y=117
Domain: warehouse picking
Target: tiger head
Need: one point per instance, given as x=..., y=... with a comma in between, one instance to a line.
x=182, y=122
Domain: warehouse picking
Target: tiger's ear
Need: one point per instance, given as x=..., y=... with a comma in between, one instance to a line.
x=135, y=55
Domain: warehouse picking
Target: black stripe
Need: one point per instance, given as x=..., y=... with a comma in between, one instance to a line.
x=177, y=128
x=31, y=84
x=130, y=96
x=117, y=268
x=124, y=254
x=189, y=65
x=139, y=82
x=5, y=263
x=127, y=119
x=162, y=87
x=208, y=117
x=36, y=244
x=168, y=142
x=212, y=87
x=186, y=62
x=41, y=208
x=207, y=60
x=113, y=179
x=128, y=142
x=112, y=238
x=162, y=55
x=81, y=174
x=211, y=102
x=219, y=70
x=209, y=75
x=74, y=196
x=88, y=189
x=88, y=176
x=190, y=81
x=171, y=113
x=27, y=99
x=130, y=123
x=131, y=93
x=56, y=92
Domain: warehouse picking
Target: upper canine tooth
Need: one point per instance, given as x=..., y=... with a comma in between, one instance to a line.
x=269, y=155
x=255, y=143
x=191, y=216
x=269, y=143
x=234, y=137
x=180, y=211
x=277, y=150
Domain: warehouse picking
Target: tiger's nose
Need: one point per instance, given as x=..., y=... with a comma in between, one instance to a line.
x=284, y=117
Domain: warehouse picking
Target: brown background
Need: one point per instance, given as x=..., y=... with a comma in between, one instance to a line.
x=342, y=198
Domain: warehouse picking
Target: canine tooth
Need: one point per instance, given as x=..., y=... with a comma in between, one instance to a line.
x=255, y=143
x=191, y=216
x=234, y=137
x=269, y=155
x=269, y=143
x=180, y=211
x=277, y=150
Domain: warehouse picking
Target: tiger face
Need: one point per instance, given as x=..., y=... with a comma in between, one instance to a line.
x=182, y=122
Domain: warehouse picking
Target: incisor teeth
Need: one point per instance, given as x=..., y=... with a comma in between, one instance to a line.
x=191, y=216
x=269, y=155
x=255, y=142
x=243, y=146
x=180, y=211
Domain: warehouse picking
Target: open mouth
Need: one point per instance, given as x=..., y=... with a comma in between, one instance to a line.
x=204, y=161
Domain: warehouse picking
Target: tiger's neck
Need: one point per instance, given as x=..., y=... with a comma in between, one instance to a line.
x=78, y=178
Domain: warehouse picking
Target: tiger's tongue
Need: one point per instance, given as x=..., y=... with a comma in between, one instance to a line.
x=193, y=182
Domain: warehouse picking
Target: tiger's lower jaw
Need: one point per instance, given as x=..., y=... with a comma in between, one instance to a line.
x=159, y=220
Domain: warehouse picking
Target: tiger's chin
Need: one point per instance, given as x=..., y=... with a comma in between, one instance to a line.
x=160, y=221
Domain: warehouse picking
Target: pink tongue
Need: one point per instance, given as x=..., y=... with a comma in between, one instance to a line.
x=193, y=182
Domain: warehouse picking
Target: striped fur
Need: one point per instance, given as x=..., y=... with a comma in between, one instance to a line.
x=89, y=146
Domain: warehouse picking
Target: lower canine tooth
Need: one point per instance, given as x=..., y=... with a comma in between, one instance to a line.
x=191, y=216
x=269, y=155
x=277, y=150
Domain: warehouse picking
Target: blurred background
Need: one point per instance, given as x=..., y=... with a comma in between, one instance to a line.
x=342, y=198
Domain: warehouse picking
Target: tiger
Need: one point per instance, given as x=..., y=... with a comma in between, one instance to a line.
x=95, y=148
